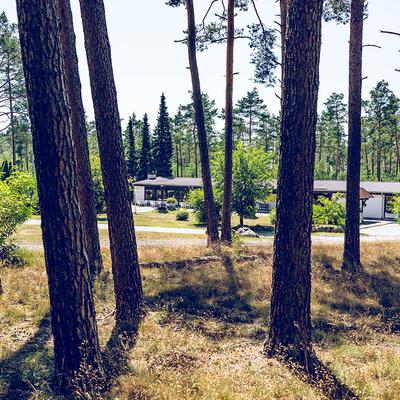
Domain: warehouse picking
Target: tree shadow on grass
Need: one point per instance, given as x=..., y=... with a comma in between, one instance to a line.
x=195, y=303
x=29, y=366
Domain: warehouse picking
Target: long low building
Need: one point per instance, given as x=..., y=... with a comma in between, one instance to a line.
x=377, y=195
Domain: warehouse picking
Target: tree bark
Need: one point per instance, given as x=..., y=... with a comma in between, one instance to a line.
x=290, y=326
x=79, y=135
x=125, y=265
x=351, y=255
x=212, y=226
x=76, y=344
x=226, y=229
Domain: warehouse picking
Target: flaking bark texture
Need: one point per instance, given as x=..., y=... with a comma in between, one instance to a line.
x=72, y=309
x=351, y=255
x=226, y=229
x=212, y=225
x=79, y=135
x=290, y=325
x=125, y=265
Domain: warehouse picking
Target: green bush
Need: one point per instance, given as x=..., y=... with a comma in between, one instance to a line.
x=25, y=185
x=14, y=210
x=171, y=200
x=196, y=201
x=330, y=211
x=395, y=206
x=272, y=216
x=182, y=215
x=98, y=188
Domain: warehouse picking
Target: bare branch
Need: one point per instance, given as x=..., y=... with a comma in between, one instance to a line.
x=391, y=33
x=372, y=45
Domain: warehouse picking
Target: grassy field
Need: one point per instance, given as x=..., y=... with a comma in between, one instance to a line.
x=202, y=337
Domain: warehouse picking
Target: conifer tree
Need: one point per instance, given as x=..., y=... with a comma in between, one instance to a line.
x=145, y=152
x=131, y=162
x=162, y=151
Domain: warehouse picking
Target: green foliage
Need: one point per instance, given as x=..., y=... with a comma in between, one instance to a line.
x=395, y=206
x=253, y=170
x=330, y=211
x=170, y=200
x=272, y=216
x=182, y=215
x=25, y=185
x=145, y=151
x=131, y=162
x=196, y=201
x=98, y=188
x=14, y=210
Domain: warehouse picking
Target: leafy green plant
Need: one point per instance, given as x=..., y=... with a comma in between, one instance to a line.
x=196, y=201
x=272, y=216
x=170, y=200
x=253, y=170
x=14, y=210
x=395, y=206
x=330, y=211
x=182, y=215
x=98, y=188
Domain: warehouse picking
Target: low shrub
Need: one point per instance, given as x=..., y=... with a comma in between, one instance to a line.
x=330, y=211
x=182, y=215
x=395, y=206
x=171, y=200
x=272, y=216
x=196, y=201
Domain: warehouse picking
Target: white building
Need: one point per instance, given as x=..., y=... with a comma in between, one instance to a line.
x=376, y=207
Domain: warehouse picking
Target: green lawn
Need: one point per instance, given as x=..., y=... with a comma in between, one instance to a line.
x=168, y=220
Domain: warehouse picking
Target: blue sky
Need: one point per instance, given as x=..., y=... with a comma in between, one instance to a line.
x=147, y=61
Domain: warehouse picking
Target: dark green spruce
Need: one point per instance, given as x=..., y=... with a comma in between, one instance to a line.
x=162, y=150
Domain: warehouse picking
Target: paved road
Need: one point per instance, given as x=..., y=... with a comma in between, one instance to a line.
x=380, y=231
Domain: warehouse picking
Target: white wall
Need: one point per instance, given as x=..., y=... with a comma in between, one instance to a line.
x=374, y=208
x=139, y=193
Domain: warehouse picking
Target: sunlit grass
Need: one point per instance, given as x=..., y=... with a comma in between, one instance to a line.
x=203, y=335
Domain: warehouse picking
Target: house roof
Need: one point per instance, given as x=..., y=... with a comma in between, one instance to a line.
x=320, y=186
x=171, y=182
x=371, y=187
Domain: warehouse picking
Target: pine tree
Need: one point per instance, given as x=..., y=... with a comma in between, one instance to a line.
x=162, y=149
x=75, y=335
x=123, y=247
x=131, y=162
x=145, y=151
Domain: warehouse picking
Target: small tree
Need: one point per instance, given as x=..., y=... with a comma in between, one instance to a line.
x=131, y=161
x=162, y=150
x=253, y=170
x=145, y=151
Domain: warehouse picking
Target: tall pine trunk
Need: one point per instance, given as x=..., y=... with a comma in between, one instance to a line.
x=290, y=321
x=79, y=135
x=76, y=344
x=125, y=264
x=212, y=226
x=226, y=229
x=351, y=255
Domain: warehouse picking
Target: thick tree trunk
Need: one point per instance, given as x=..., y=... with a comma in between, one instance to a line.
x=125, y=265
x=290, y=326
x=79, y=135
x=212, y=226
x=351, y=255
x=74, y=327
x=226, y=229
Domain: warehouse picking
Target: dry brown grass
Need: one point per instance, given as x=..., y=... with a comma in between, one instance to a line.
x=203, y=335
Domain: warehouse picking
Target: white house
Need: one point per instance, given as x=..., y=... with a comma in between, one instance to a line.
x=376, y=206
